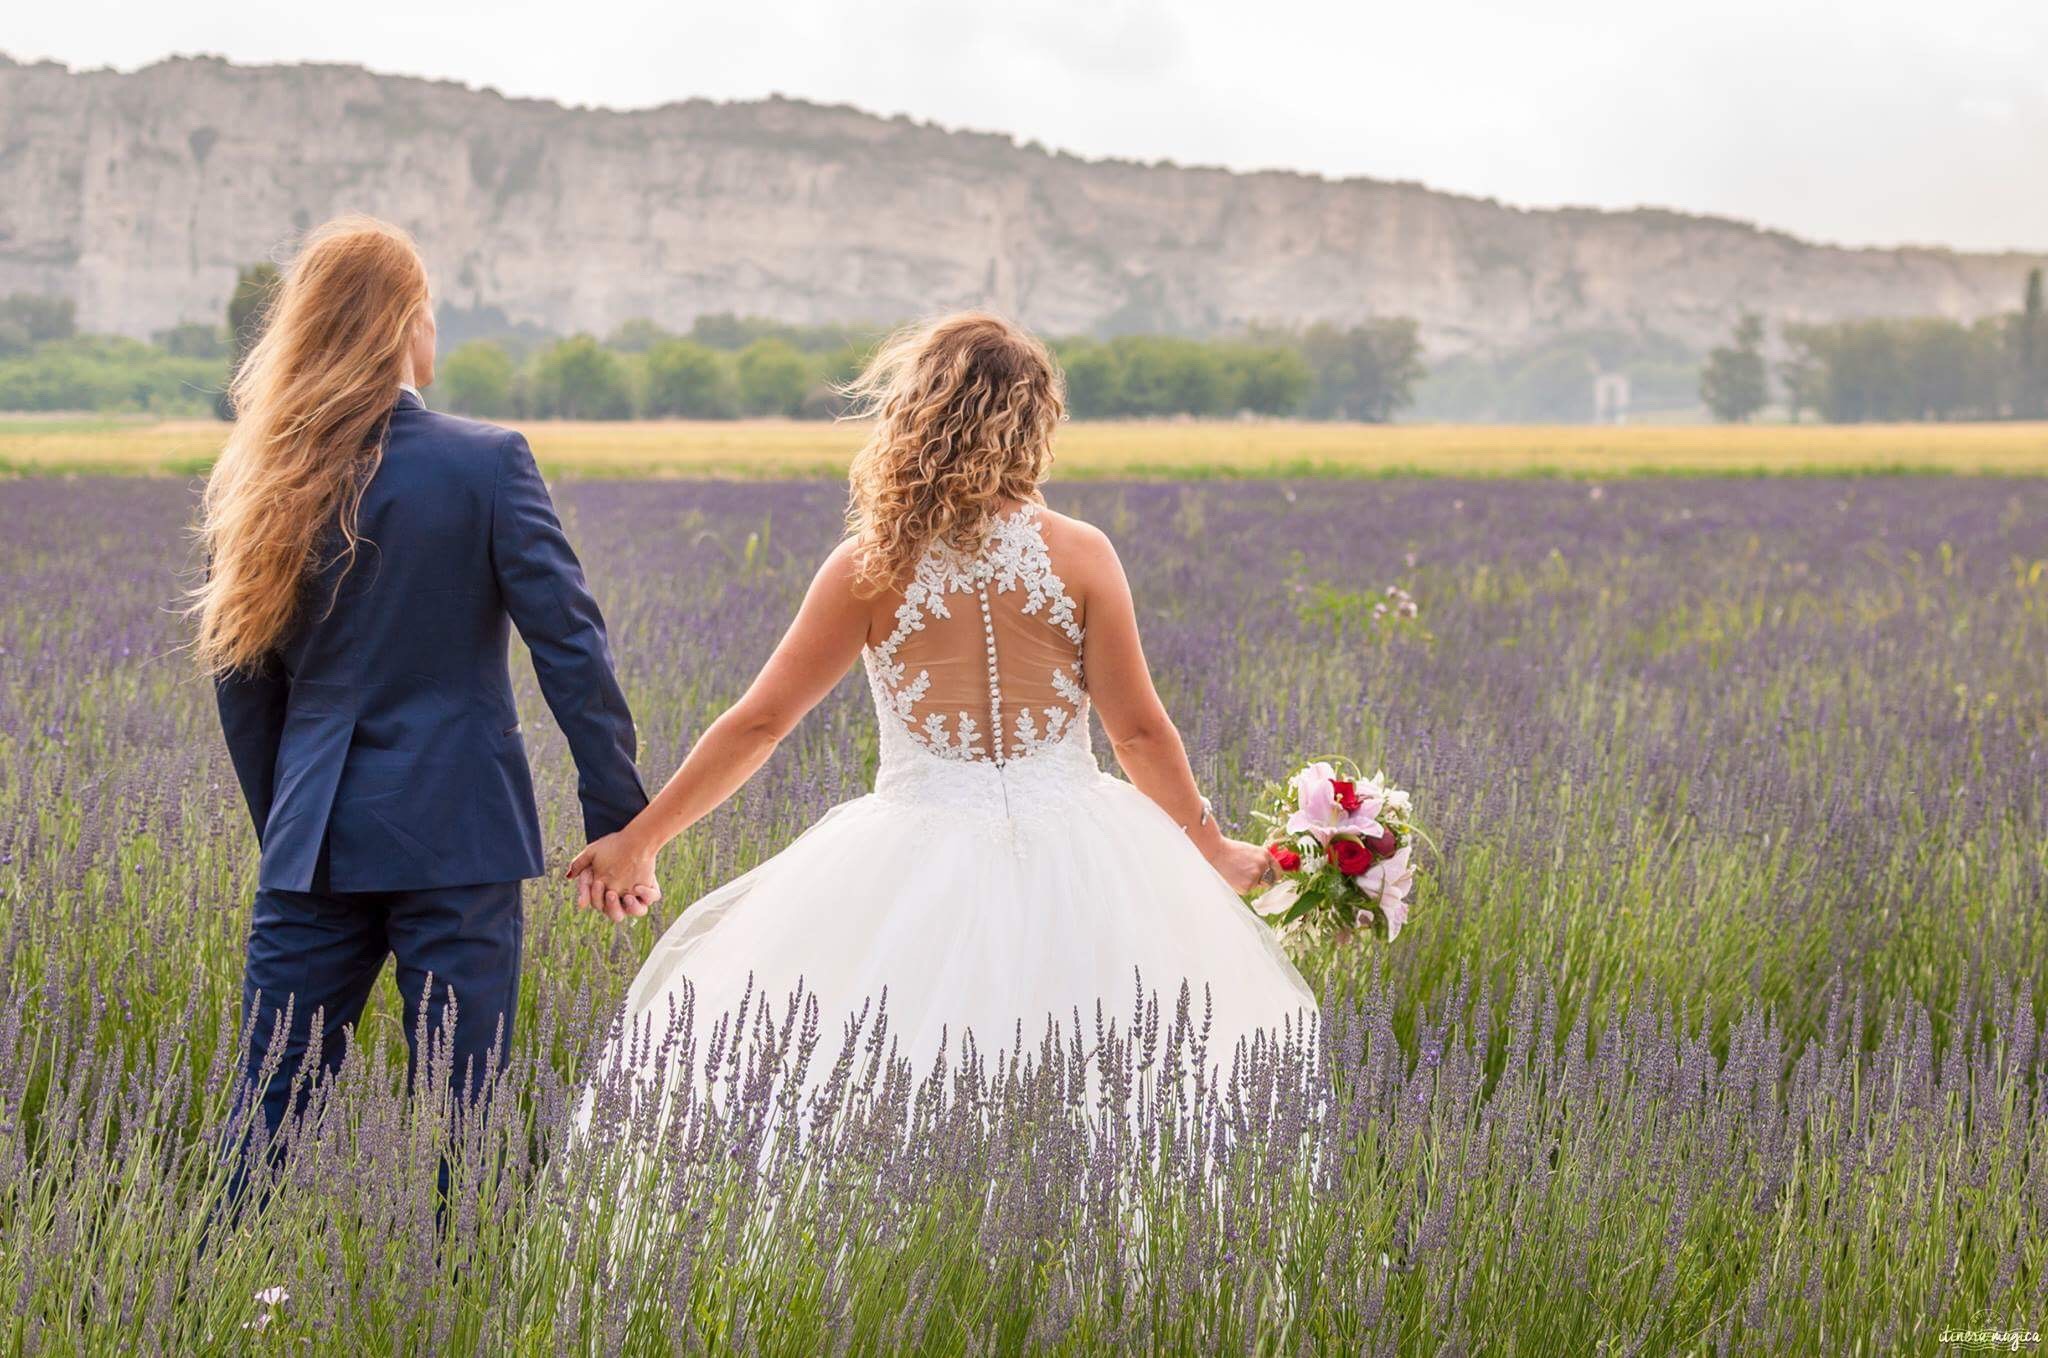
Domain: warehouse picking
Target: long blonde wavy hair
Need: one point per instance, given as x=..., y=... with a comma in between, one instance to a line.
x=311, y=401
x=964, y=410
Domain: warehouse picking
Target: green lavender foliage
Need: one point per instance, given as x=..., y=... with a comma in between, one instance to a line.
x=1717, y=1026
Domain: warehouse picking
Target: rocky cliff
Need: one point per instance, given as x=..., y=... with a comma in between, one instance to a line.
x=140, y=194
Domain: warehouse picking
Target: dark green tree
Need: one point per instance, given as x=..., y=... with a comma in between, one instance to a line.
x=1734, y=383
x=636, y=336
x=831, y=370
x=248, y=309
x=1803, y=375
x=477, y=379
x=106, y=372
x=773, y=378
x=1164, y=375
x=1916, y=368
x=193, y=340
x=1951, y=370
x=1267, y=379
x=1366, y=372
x=2030, y=353
x=688, y=379
x=1866, y=377
x=580, y=379
x=1094, y=379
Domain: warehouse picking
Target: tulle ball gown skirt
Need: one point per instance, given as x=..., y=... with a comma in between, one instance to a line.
x=961, y=898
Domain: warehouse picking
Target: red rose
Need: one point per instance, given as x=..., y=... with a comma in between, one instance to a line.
x=1383, y=844
x=1287, y=858
x=1346, y=793
x=1350, y=856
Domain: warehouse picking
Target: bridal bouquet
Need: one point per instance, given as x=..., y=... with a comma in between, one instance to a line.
x=1342, y=845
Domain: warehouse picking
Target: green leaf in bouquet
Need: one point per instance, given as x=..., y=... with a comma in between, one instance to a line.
x=1306, y=904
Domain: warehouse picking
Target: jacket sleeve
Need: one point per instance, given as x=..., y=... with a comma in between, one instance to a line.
x=542, y=585
x=252, y=707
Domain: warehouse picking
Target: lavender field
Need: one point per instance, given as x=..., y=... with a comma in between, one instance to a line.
x=1718, y=1025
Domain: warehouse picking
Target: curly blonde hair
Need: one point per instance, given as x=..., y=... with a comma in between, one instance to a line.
x=964, y=410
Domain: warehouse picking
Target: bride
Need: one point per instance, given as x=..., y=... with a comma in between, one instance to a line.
x=995, y=874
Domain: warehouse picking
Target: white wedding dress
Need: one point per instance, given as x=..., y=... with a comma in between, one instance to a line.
x=994, y=875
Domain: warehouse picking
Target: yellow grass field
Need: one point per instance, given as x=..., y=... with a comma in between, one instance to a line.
x=777, y=448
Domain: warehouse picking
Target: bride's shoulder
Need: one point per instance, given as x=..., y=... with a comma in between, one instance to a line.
x=1078, y=547
x=1064, y=529
x=840, y=570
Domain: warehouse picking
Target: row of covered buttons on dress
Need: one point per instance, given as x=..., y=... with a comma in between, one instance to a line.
x=995, y=689
x=982, y=571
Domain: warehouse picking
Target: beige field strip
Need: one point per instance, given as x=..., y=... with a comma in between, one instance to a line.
x=781, y=448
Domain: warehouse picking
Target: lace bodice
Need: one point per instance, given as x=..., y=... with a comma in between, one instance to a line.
x=982, y=668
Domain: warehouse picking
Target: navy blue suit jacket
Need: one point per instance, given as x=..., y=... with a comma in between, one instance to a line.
x=383, y=725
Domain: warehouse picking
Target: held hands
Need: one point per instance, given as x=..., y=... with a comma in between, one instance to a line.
x=615, y=875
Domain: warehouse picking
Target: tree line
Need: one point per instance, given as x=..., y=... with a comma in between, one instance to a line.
x=45, y=364
x=723, y=367
x=1889, y=368
x=727, y=366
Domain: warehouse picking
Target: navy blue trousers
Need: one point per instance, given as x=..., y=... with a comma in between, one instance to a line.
x=322, y=950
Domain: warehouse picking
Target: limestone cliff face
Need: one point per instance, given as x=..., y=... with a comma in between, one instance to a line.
x=140, y=194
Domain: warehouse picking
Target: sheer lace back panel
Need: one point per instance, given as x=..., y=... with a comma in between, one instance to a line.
x=984, y=662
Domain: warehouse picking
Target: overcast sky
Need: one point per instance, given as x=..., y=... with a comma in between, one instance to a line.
x=1874, y=122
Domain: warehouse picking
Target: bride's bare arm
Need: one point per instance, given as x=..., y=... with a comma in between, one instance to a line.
x=1147, y=744
x=823, y=641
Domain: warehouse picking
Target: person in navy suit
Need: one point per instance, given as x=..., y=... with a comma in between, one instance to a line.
x=368, y=559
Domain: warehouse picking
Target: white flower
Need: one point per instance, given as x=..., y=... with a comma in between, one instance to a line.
x=270, y=1298
x=1396, y=915
x=1390, y=878
x=1278, y=899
